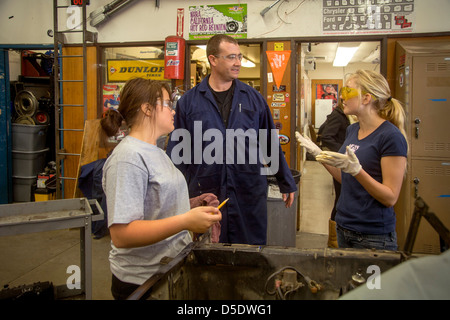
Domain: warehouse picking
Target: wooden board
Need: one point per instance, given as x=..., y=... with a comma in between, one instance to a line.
x=94, y=146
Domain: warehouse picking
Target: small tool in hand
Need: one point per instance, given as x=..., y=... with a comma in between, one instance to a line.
x=223, y=203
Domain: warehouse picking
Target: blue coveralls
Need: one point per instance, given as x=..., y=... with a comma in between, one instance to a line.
x=244, y=218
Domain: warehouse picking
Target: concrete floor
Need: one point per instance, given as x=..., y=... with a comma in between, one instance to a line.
x=45, y=256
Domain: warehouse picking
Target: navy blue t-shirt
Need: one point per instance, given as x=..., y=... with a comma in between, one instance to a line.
x=357, y=210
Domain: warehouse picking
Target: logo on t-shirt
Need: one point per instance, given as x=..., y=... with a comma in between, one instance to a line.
x=353, y=147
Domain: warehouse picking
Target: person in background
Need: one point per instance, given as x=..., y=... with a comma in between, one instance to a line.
x=222, y=102
x=331, y=136
x=370, y=164
x=149, y=213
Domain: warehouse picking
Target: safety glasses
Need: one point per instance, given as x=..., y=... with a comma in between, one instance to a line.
x=166, y=104
x=348, y=93
x=231, y=57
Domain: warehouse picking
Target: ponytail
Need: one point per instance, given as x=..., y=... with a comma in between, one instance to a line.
x=135, y=92
x=111, y=122
x=393, y=112
x=387, y=107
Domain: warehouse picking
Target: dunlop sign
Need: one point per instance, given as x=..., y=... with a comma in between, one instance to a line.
x=123, y=70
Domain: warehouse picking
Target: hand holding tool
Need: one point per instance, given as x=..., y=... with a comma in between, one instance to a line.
x=216, y=229
x=223, y=203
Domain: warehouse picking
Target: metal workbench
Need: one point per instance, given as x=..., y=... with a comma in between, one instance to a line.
x=30, y=217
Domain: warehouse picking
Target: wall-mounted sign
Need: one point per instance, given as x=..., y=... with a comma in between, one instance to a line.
x=278, y=97
x=278, y=46
x=278, y=61
x=208, y=20
x=123, y=70
x=79, y=2
x=284, y=139
x=278, y=125
x=281, y=88
x=180, y=22
x=278, y=104
x=363, y=17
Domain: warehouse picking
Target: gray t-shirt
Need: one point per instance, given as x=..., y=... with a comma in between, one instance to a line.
x=141, y=183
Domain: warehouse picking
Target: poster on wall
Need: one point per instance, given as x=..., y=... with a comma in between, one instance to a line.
x=208, y=20
x=328, y=92
x=365, y=17
x=111, y=96
x=123, y=70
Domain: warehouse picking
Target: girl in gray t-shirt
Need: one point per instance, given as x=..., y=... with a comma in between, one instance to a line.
x=149, y=213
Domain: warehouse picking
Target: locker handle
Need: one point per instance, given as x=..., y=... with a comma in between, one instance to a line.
x=417, y=122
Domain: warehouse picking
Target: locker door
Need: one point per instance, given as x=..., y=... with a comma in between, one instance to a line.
x=434, y=188
x=430, y=134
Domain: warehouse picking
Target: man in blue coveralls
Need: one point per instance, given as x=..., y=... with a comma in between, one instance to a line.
x=225, y=142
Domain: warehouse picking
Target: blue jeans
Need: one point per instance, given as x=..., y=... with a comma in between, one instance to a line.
x=352, y=239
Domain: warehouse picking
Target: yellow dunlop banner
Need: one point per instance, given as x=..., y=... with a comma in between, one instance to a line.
x=123, y=70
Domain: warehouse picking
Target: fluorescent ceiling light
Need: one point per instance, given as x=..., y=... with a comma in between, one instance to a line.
x=343, y=55
x=247, y=63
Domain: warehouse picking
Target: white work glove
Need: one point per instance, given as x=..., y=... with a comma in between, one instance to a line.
x=306, y=142
x=348, y=162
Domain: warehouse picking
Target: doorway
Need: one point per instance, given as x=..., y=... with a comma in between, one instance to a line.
x=317, y=59
x=319, y=82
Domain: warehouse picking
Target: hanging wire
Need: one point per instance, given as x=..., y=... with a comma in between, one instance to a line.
x=280, y=19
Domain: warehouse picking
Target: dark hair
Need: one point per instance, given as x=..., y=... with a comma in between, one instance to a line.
x=135, y=92
x=213, y=45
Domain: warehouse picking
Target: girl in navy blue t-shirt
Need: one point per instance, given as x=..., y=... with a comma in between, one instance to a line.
x=370, y=164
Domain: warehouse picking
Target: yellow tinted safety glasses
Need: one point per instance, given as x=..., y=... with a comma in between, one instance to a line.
x=348, y=93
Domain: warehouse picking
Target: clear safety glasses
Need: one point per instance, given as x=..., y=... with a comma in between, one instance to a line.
x=232, y=57
x=166, y=104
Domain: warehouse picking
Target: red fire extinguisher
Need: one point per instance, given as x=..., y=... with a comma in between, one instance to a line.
x=174, y=57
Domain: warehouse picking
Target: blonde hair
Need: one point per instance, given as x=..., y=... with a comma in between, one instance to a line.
x=387, y=107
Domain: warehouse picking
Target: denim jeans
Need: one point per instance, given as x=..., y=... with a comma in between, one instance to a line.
x=352, y=239
x=121, y=290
